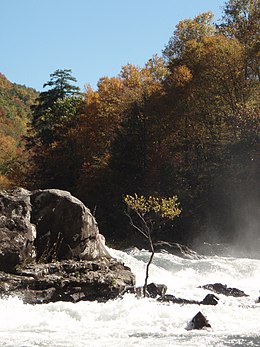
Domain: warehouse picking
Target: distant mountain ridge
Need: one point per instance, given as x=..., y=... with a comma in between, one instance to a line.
x=15, y=99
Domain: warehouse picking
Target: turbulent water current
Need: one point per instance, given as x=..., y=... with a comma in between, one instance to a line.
x=144, y=322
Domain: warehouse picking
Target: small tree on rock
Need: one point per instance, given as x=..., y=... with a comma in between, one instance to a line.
x=147, y=215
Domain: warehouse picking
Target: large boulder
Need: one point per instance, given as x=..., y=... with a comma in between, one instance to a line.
x=65, y=227
x=17, y=233
x=51, y=250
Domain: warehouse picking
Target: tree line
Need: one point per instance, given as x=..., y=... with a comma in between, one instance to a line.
x=186, y=123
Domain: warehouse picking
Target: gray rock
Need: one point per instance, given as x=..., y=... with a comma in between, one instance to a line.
x=173, y=299
x=220, y=288
x=209, y=299
x=16, y=231
x=67, y=280
x=65, y=227
x=51, y=250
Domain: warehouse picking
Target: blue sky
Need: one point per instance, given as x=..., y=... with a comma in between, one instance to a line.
x=94, y=38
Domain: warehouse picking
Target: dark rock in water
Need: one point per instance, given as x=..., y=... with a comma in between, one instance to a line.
x=176, y=249
x=16, y=231
x=198, y=322
x=210, y=299
x=223, y=289
x=130, y=290
x=175, y=300
x=257, y=300
x=154, y=290
x=68, y=280
x=52, y=226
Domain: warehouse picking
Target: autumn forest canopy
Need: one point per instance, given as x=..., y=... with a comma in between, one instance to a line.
x=186, y=123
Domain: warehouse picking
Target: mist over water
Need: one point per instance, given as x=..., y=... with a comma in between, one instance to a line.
x=241, y=235
x=145, y=322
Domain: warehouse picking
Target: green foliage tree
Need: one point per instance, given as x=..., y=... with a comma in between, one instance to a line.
x=146, y=215
x=46, y=111
x=59, y=86
x=54, y=159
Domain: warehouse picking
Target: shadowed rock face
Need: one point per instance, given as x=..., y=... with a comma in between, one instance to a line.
x=65, y=227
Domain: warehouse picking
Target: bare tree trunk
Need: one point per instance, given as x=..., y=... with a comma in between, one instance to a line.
x=147, y=266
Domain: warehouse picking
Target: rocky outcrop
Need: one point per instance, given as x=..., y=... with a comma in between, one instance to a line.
x=51, y=250
x=17, y=233
x=67, y=280
x=224, y=289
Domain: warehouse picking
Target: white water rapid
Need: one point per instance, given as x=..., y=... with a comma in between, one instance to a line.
x=144, y=322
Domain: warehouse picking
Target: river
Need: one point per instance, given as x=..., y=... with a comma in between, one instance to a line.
x=144, y=322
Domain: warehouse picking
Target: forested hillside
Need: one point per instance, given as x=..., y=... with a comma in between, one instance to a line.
x=186, y=123
x=15, y=102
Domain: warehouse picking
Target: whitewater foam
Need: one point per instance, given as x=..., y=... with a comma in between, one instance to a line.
x=145, y=322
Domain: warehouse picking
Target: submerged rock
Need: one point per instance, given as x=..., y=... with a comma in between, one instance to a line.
x=51, y=250
x=173, y=299
x=155, y=290
x=199, y=321
x=209, y=299
x=176, y=249
x=223, y=289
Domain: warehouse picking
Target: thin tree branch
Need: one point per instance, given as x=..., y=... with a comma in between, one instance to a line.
x=136, y=227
